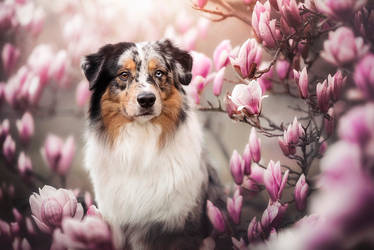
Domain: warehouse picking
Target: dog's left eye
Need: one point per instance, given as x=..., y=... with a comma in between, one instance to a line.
x=124, y=75
x=159, y=73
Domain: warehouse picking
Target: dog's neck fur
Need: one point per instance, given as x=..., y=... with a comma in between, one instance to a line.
x=138, y=183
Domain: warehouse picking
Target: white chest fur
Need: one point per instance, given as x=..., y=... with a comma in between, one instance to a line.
x=136, y=183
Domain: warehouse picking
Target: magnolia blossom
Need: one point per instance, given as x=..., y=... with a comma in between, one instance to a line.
x=24, y=164
x=201, y=3
x=335, y=84
x=301, y=192
x=21, y=244
x=252, y=232
x=4, y=128
x=247, y=97
x=340, y=9
x=246, y=59
x=50, y=206
x=201, y=65
x=9, y=56
x=254, y=146
x=290, y=12
x=301, y=79
x=215, y=216
x=82, y=93
x=25, y=127
x=265, y=80
x=58, y=68
x=91, y=233
x=237, y=168
x=218, y=82
x=40, y=61
x=263, y=26
x=343, y=47
x=282, y=68
x=234, y=206
x=364, y=76
x=272, y=216
x=273, y=180
x=323, y=96
x=291, y=137
x=247, y=159
x=221, y=54
x=57, y=154
x=9, y=148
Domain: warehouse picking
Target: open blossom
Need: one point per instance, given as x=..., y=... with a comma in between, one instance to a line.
x=289, y=10
x=263, y=26
x=246, y=60
x=91, y=233
x=221, y=54
x=237, y=168
x=234, y=206
x=364, y=76
x=9, y=148
x=301, y=79
x=25, y=127
x=301, y=192
x=247, y=97
x=201, y=65
x=58, y=154
x=215, y=216
x=273, y=180
x=291, y=137
x=323, y=96
x=340, y=9
x=50, y=206
x=342, y=47
x=9, y=56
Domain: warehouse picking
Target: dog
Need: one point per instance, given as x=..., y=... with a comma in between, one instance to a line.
x=144, y=150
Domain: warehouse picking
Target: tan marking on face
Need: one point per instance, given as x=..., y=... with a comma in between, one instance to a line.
x=129, y=65
x=112, y=114
x=169, y=117
x=153, y=64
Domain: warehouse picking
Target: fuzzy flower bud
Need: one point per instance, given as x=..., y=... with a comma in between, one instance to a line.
x=215, y=216
x=301, y=79
x=234, y=206
x=236, y=167
x=273, y=180
x=301, y=192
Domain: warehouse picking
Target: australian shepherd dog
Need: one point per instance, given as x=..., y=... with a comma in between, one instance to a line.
x=144, y=146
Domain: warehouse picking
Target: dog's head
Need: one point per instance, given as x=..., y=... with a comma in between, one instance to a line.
x=137, y=82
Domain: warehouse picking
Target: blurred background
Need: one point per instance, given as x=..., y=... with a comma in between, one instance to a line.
x=65, y=30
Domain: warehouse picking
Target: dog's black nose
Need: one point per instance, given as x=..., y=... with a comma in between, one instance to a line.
x=146, y=99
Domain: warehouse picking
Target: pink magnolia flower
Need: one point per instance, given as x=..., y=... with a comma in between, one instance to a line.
x=301, y=79
x=283, y=68
x=301, y=192
x=257, y=174
x=201, y=3
x=7, y=15
x=247, y=158
x=234, y=206
x=17, y=215
x=218, y=82
x=29, y=226
x=364, y=76
x=58, y=154
x=237, y=168
x=221, y=54
x=201, y=65
x=265, y=28
x=215, y=216
x=239, y=244
x=335, y=84
x=9, y=56
x=343, y=47
x=247, y=58
x=272, y=216
x=24, y=164
x=291, y=137
x=189, y=39
x=93, y=211
x=274, y=183
x=50, y=206
x=9, y=148
x=252, y=232
x=254, y=146
x=58, y=67
x=25, y=127
x=82, y=93
x=91, y=233
x=265, y=80
x=4, y=128
x=40, y=61
x=340, y=9
x=323, y=96
x=21, y=244
x=289, y=10
x=248, y=97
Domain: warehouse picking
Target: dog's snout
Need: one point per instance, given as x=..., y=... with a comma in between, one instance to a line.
x=146, y=99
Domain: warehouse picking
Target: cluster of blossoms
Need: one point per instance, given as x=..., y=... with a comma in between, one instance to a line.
x=281, y=57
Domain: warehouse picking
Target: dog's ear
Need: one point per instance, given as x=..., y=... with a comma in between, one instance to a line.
x=183, y=62
x=92, y=66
